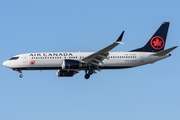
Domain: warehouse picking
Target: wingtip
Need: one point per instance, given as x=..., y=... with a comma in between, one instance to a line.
x=120, y=37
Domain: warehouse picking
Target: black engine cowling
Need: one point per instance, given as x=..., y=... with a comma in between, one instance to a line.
x=71, y=64
x=65, y=73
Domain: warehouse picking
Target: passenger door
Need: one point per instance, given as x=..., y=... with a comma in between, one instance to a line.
x=25, y=59
x=141, y=57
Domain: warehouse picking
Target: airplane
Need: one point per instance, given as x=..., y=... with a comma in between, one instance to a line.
x=67, y=64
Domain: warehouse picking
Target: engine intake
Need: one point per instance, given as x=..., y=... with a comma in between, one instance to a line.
x=71, y=64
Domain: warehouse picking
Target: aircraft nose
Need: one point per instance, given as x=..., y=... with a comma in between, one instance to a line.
x=5, y=63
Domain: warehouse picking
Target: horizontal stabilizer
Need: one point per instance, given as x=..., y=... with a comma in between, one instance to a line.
x=164, y=52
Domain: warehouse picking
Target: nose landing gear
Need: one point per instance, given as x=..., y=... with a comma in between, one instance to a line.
x=20, y=75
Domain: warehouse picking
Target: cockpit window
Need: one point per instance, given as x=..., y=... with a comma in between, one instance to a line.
x=14, y=58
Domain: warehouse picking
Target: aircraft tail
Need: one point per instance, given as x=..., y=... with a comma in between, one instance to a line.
x=157, y=41
x=165, y=52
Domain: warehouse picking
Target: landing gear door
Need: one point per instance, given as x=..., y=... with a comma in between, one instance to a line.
x=25, y=59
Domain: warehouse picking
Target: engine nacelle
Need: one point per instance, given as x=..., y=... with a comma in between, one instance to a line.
x=71, y=64
x=65, y=73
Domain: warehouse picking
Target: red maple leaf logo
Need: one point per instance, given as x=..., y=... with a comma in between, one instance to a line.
x=32, y=62
x=157, y=42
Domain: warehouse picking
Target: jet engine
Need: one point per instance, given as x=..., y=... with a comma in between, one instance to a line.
x=72, y=64
x=65, y=73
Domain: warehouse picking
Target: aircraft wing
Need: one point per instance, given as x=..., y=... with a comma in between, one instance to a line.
x=102, y=54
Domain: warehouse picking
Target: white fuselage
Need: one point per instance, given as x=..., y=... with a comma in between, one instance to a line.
x=53, y=60
x=68, y=64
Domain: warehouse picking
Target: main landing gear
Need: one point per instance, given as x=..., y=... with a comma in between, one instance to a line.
x=88, y=73
x=87, y=76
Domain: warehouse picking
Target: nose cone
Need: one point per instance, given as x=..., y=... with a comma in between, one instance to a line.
x=6, y=63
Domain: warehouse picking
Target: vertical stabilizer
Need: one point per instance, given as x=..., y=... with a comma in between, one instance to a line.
x=157, y=41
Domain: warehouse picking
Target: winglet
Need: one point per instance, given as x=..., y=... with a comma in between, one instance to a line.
x=120, y=38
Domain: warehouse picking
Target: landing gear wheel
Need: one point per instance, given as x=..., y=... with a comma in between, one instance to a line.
x=90, y=72
x=87, y=76
x=20, y=75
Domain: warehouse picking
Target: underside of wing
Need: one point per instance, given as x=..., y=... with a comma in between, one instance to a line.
x=98, y=57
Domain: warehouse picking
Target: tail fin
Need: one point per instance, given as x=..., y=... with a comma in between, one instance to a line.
x=157, y=41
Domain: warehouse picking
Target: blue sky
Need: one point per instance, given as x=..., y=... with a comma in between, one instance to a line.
x=147, y=92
